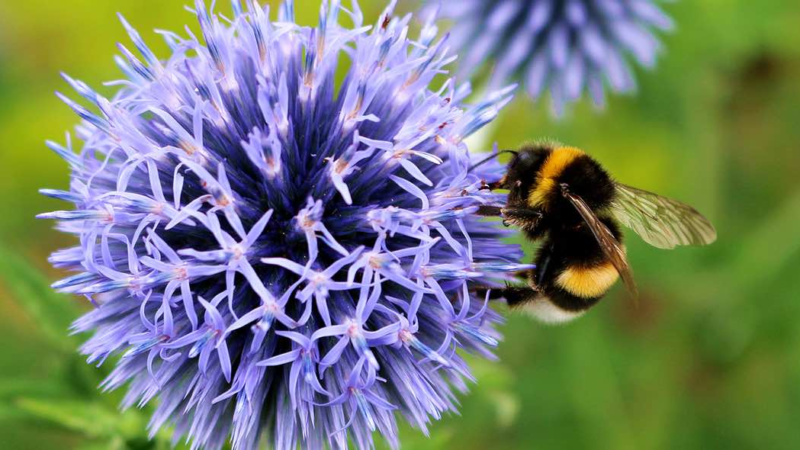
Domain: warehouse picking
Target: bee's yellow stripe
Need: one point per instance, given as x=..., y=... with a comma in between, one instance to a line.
x=553, y=166
x=588, y=282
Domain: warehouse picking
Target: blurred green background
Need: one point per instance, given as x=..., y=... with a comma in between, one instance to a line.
x=709, y=359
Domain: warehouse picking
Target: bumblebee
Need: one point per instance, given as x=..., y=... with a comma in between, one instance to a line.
x=565, y=199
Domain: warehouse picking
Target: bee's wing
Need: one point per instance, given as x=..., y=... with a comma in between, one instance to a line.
x=661, y=221
x=611, y=247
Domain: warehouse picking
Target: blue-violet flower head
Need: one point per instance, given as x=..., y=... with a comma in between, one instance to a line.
x=276, y=253
x=565, y=46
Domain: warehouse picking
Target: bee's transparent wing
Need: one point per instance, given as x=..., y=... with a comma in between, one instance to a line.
x=661, y=221
x=611, y=247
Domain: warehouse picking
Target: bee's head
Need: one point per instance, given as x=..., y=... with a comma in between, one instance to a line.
x=529, y=159
x=522, y=170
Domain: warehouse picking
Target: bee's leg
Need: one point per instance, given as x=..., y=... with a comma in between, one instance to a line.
x=518, y=295
x=527, y=219
x=522, y=213
x=522, y=295
x=494, y=293
x=511, y=216
x=493, y=186
x=489, y=211
x=514, y=295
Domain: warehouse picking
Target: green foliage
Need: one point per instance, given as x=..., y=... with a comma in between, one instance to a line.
x=710, y=358
x=51, y=312
x=63, y=395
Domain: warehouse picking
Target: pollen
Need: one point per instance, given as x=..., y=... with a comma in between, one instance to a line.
x=375, y=261
x=188, y=147
x=237, y=251
x=223, y=201
x=340, y=166
x=181, y=273
x=307, y=222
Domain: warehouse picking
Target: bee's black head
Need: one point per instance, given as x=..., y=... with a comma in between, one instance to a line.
x=529, y=158
x=522, y=169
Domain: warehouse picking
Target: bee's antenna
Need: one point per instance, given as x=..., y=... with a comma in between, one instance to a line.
x=495, y=155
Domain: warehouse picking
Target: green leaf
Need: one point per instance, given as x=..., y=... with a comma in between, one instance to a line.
x=10, y=413
x=52, y=312
x=19, y=387
x=100, y=425
x=109, y=444
x=90, y=419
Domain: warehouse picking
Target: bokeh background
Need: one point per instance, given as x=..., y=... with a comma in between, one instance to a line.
x=710, y=358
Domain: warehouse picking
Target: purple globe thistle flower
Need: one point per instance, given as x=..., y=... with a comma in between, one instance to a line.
x=565, y=46
x=272, y=251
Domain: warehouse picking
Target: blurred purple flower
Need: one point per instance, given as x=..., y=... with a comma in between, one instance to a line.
x=329, y=224
x=564, y=46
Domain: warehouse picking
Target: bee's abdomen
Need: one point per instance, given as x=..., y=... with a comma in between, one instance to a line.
x=576, y=289
x=587, y=282
x=572, y=271
x=565, y=295
x=566, y=282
